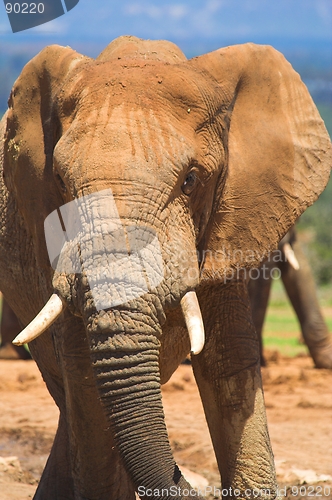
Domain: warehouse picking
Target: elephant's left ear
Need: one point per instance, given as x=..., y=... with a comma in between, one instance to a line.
x=30, y=136
x=279, y=155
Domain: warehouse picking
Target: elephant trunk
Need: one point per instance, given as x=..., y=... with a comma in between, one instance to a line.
x=124, y=349
x=126, y=367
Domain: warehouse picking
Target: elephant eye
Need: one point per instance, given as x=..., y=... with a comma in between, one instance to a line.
x=189, y=183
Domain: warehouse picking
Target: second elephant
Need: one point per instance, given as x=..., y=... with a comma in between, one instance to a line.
x=300, y=287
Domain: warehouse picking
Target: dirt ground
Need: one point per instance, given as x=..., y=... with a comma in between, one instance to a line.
x=299, y=407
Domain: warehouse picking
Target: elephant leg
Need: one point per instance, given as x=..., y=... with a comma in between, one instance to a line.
x=301, y=290
x=9, y=328
x=56, y=482
x=259, y=292
x=227, y=372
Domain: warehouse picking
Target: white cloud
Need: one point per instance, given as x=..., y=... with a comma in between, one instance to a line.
x=5, y=28
x=324, y=10
x=136, y=9
x=132, y=9
x=154, y=12
x=215, y=5
x=175, y=11
x=55, y=26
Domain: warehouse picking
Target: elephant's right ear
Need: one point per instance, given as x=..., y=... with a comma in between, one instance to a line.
x=29, y=136
x=278, y=151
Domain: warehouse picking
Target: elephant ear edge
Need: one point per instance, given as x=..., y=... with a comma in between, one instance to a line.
x=29, y=136
x=279, y=156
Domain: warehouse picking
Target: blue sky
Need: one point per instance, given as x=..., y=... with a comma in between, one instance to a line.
x=193, y=24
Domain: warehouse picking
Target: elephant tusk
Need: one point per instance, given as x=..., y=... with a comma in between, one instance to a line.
x=290, y=256
x=193, y=318
x=44, y=319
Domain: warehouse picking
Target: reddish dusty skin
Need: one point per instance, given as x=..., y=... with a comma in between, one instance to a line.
x=219, y=155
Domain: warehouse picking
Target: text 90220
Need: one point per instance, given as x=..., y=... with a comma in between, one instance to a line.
x=25, y=8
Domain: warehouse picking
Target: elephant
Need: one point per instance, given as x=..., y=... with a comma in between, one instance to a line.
x=10, y=327
x=137, y=190
x=299, y=283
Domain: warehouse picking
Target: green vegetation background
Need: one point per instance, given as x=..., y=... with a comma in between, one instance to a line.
x=315, y=224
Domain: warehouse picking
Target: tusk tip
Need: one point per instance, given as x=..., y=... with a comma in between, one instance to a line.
x=50, y=312
x=17, y=341
x=196, y=351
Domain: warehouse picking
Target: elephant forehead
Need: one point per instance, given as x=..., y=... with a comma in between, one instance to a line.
x=127, y=137
x=143, y=131
x=166, y=89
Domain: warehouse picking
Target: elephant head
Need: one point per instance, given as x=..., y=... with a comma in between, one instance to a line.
x=153, y=174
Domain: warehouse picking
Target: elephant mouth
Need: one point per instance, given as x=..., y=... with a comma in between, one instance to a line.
x=55, y=306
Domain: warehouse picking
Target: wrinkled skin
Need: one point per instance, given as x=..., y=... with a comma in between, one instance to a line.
x=205, y=153
x=301, y=290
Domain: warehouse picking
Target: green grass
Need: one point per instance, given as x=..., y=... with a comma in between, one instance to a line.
x=282, y=331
